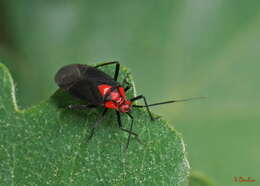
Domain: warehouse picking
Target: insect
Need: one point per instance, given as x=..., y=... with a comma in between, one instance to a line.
x=98, y=89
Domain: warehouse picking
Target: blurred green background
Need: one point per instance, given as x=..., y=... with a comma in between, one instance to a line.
x=174, y=48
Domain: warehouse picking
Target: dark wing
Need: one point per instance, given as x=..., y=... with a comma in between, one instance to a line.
x=82, y=81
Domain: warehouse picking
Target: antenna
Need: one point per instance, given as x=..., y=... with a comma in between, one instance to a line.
x=171, y=101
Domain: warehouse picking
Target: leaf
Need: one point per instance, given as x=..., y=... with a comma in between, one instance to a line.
x=46, y=145
x=199, y=179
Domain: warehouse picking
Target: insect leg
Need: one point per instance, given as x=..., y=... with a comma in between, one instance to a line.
x=96, y=124
x=110, y=63
x=146, y=105
x=127, y=88
x=130, y=132
x=126, y=84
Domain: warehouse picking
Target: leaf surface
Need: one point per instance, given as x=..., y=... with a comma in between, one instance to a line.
x=46, y=145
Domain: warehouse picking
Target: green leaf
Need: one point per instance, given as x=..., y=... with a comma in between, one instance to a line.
x=46, y=145
x=199, y=179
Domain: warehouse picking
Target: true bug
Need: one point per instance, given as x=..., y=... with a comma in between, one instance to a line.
x=98, y=89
